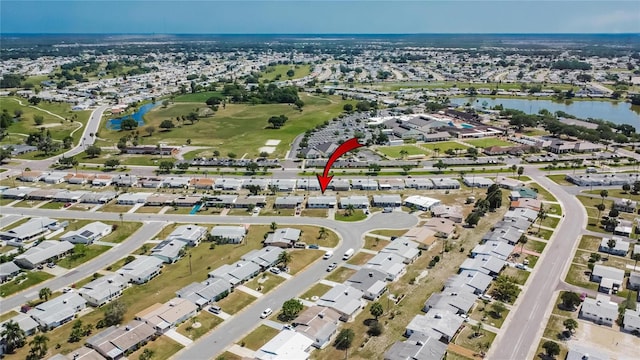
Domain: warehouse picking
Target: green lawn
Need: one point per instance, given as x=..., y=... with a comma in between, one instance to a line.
x=372, y=243
x=58, y=130
x=356, y=215
x=265, y=282
x=577, y=275
x=542, y=193
x=559, y=179
x=91, y=251
x=207, y=322
x=534, y=245
x=199, y=97
x=519, y=276
x=18, y=284
x=272, y=72
x=360, y=258
x=488, y=142
x=114, y=207
x=235, y=302
x=591, y=243
x=390, y=233
x=300, y=259
x=616, y=193
x=486, y=315
x=340, y=274
x=443, y=146
x=239, y=128
x=258, y=337
x=465, y=338
x=554, y=209
x=316, y=290
x=394, y=151
x=320, y=213
x=8, y=315
x=163, y=348
x=551, y=222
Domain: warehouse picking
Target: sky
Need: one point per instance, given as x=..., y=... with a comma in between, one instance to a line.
x=318, y=17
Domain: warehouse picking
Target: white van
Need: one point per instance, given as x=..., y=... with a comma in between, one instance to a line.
x=348, y=254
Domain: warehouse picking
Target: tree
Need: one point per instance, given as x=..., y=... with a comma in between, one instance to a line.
x=34, y=100
x=299, y=104
x=614, y=213
x=611, y=244
x=128, y=124
x=542, y=214
x=284, y=258
x=277, y=121
x=601, y=208
x=570, y=325
x=252, y=168
x=183, y=166
x=147, y=354
x=344, y=339
x=498, y=308
x=14, y=337
x=167, y=125
x=523, y=240
x=505, y=289
x=115, y=313
x=254, y=189
x=77, y=332
x=348, y=211
x=112, y=163
x=636, y=187
x=5, y=153
x=472, y=219
x=347, y=108
x=403, y=153
x=603, y=195
x=165, y=166
x=291, y=72
x=291, y=308
x=520, y=171
x=165, y=103
x=38, y=346
x=551, y=348
x=626, y=188
x=636, y=258
x=374, y=168
x=150, y=129
x=406, y=169
x=477, y=329
x=44, y=294
x=322, y=233
x=570, y=300
x=273, y=226
x=440, y=165
x=38, y=119
x=93, y=151
x=376, y=310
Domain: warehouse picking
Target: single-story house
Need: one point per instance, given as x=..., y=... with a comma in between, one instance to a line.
x=631, y=321
x=498, y=249
x=443, y=322
x=404, y=248
x=600, y=310
x=250, y=202
x=477, y=181
x=266, y=257
x=391, y=184
x=150, y=183
x=228, y=184
x=634, y=281
x=103, y=289
x=364, y=184
x=424, y=236
x=389, y=263
x=318, y=323
x=8, y=270
x=609, y=278
x=163, y=317
x=344, y=299
x=132, y=198
x=358, y=202
x=88, y=233
x=236, y=273
x=190, y=234
x=442, y=227
x=523, y=192
x=176, y=182
x=102, y=180
x=527, y=203
x=206, y=292
x=625, y=205
x=288, y=202
x=527, y=214
x=508, y=183
x=57, y=311
x=620, y=246
x=220, y=200
x=43, y=194
x=42, y=253
x=117, y=341
x=452, y=213
x=202, y=183
x=391, y=200
x=419, y=183
x=457, y=302
x=476, y=281
x=423, y=203
x=24, y=321
x=31, y=176
x=286, y=185
x=336, y=185
x=169, y=251
x=261, y=183
x=161, y=199
x=310, y=184
x=20, y=192
x=102, y=197
x=142, y=269
x=68, y=196
x=288, y=344
x=283, y=238
x=509, y=235
x=445, y=183
x=231, y=234
x=125, y=180
x=486, y=264
x=417, y=346
x=371, y=282
x=28, y=231
x=321, y=202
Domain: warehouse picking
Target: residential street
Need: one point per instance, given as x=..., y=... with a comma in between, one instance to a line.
x=520, y=334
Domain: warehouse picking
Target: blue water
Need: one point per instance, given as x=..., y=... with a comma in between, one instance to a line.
x=617, y=113
x=138, y=116
x=195, y=209
x=467, y=126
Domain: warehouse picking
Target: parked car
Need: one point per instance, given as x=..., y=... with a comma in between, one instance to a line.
x=67, y=205
x=51, y=265
x=465, y=317
x=314, y=246
x=215, y=309
x=521, y=266
x=275, y=270
x=327, y=255
x=332, y=267
x=486, y=297
x=67, y=290
x=265, y=314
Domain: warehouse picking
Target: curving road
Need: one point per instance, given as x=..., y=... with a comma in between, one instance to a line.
x=520, y=333
x=216, y=341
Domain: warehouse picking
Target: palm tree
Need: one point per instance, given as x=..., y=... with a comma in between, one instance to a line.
x=284, y=258
x=635, y=257
x=603, y=195
x=13, y=336
x=403, y=153
x=349, y=210
x=477, y=329
x=522, y=240
x=611, y=244
x=542, y=214
x=322, y=233
x=39, y=346
x=273, y=226
x=600, y=208
x=44, y=294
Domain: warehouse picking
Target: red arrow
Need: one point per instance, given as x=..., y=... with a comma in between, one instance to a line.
x=345, y=147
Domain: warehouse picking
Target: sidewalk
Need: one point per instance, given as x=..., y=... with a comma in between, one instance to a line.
x=179, y=338
x=249, y=291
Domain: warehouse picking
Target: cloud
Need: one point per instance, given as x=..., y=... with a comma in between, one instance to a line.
x=608, y=22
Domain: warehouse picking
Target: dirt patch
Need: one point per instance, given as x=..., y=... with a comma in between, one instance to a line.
x=609, y=340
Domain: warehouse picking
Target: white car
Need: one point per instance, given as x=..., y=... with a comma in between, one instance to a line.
x=275, y=270
x=265, y=314
x=486, y=297
x=327, y=255
x=67, y=290
x=465, y=317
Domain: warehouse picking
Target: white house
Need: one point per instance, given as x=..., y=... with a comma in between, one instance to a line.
x=288, y=344
x=103, y=289
x=142, y=269
x=88, y=233
x=58, y=310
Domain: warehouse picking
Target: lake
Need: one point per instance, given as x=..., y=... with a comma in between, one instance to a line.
x=138, y=116
x=616, y=112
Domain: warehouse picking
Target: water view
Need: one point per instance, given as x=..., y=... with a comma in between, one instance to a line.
x=138, y=116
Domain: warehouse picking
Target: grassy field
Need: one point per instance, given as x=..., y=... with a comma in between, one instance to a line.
x=360, y=258
x=235, y=302
x=616, y=193
x=559, y=179
x=89, y=252
x=300, y=259
x=588, y=242
x=542, y=193
x=372, y=243
x=199, y=97
x=265, y=282
x=8, y=315
x=390, y=233
x=315, y=290
x=258, y=337
x=519, y=276
x=272, y=72
x=340, y=274
x=465, y=338
x=485, y=314
x=207, y=322
x=163, y=348
x=577, y=276
x=58, y=130
x=320, y=213
x=394, y=151
x=488, y=142
x=534, y=245
x=356, y=215
x=443, y=146
x=16, y=285
x=238, y=128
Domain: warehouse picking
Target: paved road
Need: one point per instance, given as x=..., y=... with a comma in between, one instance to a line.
x=230, y=331
x=91, y=128
x=146, y=232
x=519, y=334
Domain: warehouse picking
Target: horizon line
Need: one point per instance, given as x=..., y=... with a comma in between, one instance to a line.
x=320, y=33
